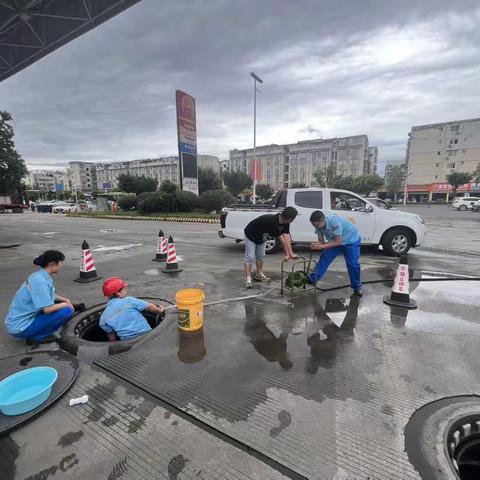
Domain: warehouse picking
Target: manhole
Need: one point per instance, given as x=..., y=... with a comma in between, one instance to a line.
x=88, y=328
x=442, y=439
x=463, y=443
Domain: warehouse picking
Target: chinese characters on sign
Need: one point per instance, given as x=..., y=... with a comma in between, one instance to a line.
x=187, y=141
x=402, y=278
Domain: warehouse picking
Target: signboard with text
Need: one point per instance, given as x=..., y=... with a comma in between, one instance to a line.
x=187, y=141
x=59, y=187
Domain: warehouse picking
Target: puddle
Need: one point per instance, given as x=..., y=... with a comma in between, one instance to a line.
x=117, y=248
x=49, y=233
x=112, y=230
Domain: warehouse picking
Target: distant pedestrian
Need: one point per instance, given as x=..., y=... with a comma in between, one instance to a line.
x=36, y=311
x=256, y=235
x=336, y=235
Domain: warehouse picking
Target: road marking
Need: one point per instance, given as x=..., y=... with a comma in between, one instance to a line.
x=117, y=248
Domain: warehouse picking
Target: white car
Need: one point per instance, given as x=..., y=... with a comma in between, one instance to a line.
x=64, y=208
x=464, y=203
x=87, y=206
x=476, y=206
x=395, y=230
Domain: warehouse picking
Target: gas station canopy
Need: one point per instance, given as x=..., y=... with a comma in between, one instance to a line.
x=31, y=29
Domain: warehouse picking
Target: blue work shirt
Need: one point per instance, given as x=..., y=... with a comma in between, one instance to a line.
x=338, y=226
x=122, y=315
x=36, y=293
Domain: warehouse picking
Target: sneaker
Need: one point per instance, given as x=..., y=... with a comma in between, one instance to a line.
x=358, y=292
x=261, y=278
x=247, y=284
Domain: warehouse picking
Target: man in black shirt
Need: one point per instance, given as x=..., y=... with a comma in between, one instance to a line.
x=256, y=234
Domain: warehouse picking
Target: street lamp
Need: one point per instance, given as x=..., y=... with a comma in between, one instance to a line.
x=256, y=79
x=405, y=190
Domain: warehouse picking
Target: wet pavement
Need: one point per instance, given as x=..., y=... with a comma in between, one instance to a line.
x=315, y=386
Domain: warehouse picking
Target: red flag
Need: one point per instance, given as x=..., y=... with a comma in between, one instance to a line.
x=255, y=169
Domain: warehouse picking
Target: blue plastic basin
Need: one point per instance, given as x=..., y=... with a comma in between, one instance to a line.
x=23, y=391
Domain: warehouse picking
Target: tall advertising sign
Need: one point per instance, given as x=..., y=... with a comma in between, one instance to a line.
x=187, y=141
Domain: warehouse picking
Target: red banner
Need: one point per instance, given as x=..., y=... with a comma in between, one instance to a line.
x=255, y=169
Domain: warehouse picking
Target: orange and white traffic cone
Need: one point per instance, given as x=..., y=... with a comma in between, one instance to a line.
x=400, y=294
x=161, y=255
x=88, y=272
x=172, y=264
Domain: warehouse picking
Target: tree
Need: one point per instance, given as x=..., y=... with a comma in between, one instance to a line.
x=12, y=165
x=327, y=177
x=187, y=201
x=298, y=185
x=264, y=191
x=365, y=184
x=136, y=184
x=215, y=200
x=457, y=179
x=396, y=178
x=127, y=202
x=208, y=179
x=236, y=182
x=168, y=187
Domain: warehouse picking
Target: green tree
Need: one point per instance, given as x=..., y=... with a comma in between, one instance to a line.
x=236, y=182
x=12, y=165
x=396, y=178
x=328, y=177
x=168, y=187
x=127, y=202
x=264, y=191
x=365, y=184
x=187, y=201
x=215, y=200
x=208, y=179
x=457, y=179
x=136, y=184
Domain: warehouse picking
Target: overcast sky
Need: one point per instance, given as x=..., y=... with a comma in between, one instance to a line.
x=330, y=68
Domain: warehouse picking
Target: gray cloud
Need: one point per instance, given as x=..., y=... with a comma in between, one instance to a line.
x=331, y=68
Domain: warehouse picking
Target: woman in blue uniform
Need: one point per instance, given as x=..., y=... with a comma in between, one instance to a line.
x=36, y=311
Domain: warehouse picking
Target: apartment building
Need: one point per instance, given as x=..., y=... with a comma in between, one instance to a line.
x=285, y=165
x=47, y=180
x=82, y=177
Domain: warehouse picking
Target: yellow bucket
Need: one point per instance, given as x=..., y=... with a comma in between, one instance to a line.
x=190, y=308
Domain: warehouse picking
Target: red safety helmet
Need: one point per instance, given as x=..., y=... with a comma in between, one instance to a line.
x=113, y=285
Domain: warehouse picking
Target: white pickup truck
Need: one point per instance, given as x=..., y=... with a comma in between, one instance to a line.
x=394, y=230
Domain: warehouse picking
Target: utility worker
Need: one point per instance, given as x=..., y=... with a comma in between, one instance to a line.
x=36, y=311
x=122, y=315
x=336, y=235
x=256, y=234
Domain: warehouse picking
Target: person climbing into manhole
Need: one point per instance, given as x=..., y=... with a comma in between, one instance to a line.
x=256, y=234
x=336, y=235
x=122, y=315
x=36, y=311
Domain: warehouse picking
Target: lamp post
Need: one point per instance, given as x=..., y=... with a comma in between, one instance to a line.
x=405, y=190
x=256, y=79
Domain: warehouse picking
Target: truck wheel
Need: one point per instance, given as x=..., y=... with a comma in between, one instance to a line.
x=397, y=242
x=272, y=245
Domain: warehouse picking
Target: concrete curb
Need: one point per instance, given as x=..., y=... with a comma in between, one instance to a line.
x=162, y=218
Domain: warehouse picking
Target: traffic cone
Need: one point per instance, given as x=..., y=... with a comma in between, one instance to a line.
x=161, y=255
x=400, y=294
x=172, y=264
x=88, y=272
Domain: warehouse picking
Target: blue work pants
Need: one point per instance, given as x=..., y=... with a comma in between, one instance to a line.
x=45, y=324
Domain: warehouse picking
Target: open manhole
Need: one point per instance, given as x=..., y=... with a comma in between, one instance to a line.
x=82, y=335
x=463, y=443
x=89, y=329
x=442, y=439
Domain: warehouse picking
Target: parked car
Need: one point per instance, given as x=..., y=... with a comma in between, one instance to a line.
x=464, y=203
x=476, y=206
x=395, y=230
x=64, y=208
x=87, y=206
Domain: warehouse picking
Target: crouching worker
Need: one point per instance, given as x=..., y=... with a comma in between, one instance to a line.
x=257, y=233
x=336, y=235
x=122, y=315
x=36, y=311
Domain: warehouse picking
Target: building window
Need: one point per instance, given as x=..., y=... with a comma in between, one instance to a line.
x=456, y=141
x=436, y=176
x=438, y=153
x=455, y=128
x=451, y=165
x=437, y=164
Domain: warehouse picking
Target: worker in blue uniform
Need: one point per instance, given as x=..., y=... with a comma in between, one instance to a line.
x=336, y=235
x=36, y=311
x=122, y=315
